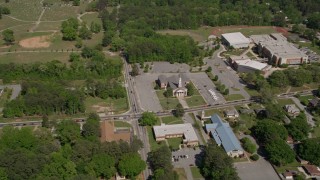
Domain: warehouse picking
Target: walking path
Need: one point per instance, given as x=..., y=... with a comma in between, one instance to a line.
x=39, y=19
x=183, y=102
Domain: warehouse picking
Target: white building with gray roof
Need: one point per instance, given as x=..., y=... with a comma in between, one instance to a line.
x=185, y=131
x=236, y=40
x=176, y=82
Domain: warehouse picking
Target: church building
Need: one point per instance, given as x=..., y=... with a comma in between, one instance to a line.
x=176, y=82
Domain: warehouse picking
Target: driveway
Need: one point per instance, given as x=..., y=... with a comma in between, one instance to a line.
x=16, y=89
x=203, y=84
x=260, y=169
x=302, y=107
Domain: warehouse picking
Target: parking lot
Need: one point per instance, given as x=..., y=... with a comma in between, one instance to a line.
x=166, y=67
x=203, y=85
x=260, y=169
x=147, y=96
x=185, y=157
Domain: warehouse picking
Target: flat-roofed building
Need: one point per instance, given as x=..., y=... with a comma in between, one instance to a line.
x=185, y=131
x=245, y=64
x=236, y=40
x=278, y=50
x=224, y=136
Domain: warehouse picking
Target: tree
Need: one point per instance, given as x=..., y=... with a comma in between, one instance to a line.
x=92, y=126
x=179, y=111
x=248, y=145
x=314, y=21
x=309, y=150
x=8, y=36
x=76, y=2
x=45, y=121
x=78, y=43
x=135, y=70
x=69, y=34
x=226, y=92
x=102, y=165
x=209, y=69
x=279, y=153
x=278, y=79
x=130, y=165
x=299, y=127
x=107, y=39
x=68, y=131
x=216, y=164
x=58, y=168
x=190, y=88
x=95, y=27
x=117, y=44
x=136, y=144
x=274, y=112
x=268, y=130
x=84, y=32
x=148, y=119
x=3, y=174
x=250, y=78
x=168, y=93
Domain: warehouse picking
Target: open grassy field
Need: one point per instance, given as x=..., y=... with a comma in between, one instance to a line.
x=49, y=26
x=196, y=173
x=34, y=57
x=283, y=102
x=174, y=142
x=252, y=92
x=171, y=120
x=25, y=10
x=121, y=124
x=116, y=106
x=7, y=22
x=181, y=172
x=91, y=17
x=152, y=141
x=192, y=33
x=210, y=112
x=195, y=100
x=233, y=97
x=167, y=103
x=60, y=11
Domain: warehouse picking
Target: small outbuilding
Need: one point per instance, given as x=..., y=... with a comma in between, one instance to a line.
x=292, y=110
x=233, y=113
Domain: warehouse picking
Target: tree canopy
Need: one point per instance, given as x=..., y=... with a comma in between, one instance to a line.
x=268, y=130
x=148, y=119
x=279, y=153
x=216, y=164
x=309, y=150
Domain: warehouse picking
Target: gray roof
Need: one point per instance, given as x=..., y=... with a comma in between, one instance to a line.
x=235, y=38
x=173, y=81
x=173, y=129
x=223, y=134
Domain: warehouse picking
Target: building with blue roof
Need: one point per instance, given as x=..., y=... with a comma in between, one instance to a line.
x=223, y=135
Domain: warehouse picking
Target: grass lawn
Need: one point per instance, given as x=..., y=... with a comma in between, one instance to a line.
x=34, y=57
x=196, y=173
x=192, y=33
x=167, y=103
x=316, y=132
x=60, y=11
x=171, y=120
x=295, y=89
x=214, y=111
x=252, y=92
x=152, y=141
x=247, y=120
x=233, y=97
x=309, y=45
x=46, y=26
x=181, y=172
x=92, y=17
x=290, y=166
x=121, y=124
x=25, y=9
x=254, y=106
x=174, y=142
x=283, y=102
x=195, y=100
x=235, y=52
x=305, y=98
x=7, y=22
x=250, y=55
x=116, y=106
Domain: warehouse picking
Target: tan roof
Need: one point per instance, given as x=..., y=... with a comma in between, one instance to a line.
x=110, y=133
x=312, y=170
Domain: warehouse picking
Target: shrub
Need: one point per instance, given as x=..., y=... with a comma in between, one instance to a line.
x=254, y=157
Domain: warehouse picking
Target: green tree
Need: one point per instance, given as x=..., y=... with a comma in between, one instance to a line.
x=8, y=36
x=45, y=121
x=179, y=111
x=216, y=164
x=58, y=168
x=95, y=27
x=117, y=44
x=102, y=165
x=299, y=128
x=248, y=145
x=168, y=93
x=278, y=79
x=250, y=78
x=3, y=174
x=190, y=88
x=135, y=70
x=68, y=131
x=130, y=165
x=309, y=150
x=92, y=126
x=279, y=153
x=148, y=119
x=69, y=34
x=268, y=130
x=84, y=32
x=274, y=112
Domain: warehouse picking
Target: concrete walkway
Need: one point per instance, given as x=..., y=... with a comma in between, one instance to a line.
x=183, y=102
